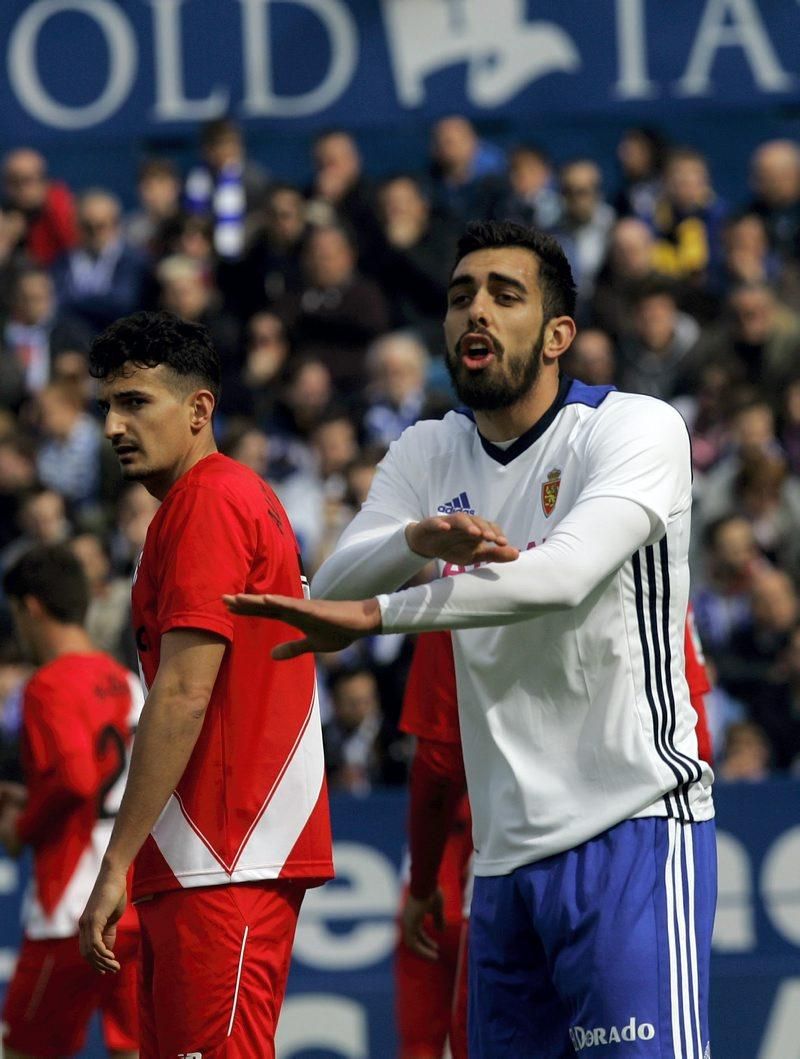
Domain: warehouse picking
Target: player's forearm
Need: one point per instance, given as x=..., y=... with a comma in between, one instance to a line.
x=374, y=559
x=588, y=547
x=169, y=727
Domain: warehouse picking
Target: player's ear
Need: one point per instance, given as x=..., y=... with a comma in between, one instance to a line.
x=559, y=333
x=31, y=606
x=202, y=408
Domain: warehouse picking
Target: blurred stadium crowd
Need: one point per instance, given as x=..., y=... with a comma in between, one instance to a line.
x=325, y=303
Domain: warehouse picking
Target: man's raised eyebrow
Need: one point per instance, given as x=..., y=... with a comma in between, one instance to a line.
x=509, y=281
x=460, y=281
x=123, y=395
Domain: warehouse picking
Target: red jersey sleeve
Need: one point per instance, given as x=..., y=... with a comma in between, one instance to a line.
x=430, y=705
x=205, y=551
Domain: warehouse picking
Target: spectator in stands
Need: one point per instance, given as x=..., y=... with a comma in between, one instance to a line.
x=640, y=153
x=109, y=614
x=592, y=358
x=338, y=312
x=351, y=737
x=758, y=337
x=721, y=598
x=688, y=218
x=272, y=265
x=103, y=277
x=585, y=225
x=17, y=479
x=628, y=265
x=158, y=189
x=33, y=334
x=397, y=365
x=790, y=424
x=746, y=755
x=134, y=512
x=765, y=494
x=466, y=170
x=306, y=394
x=341, y=195
x=529, y=194
x=227, y=188
x=746, y=254
x=252, y=388
x=38, y=214
x=657, y=357
x=706, y=411
x=42, y=519
x=69, y=455
x=418, y=254
x=775, y=180
x=185, y=289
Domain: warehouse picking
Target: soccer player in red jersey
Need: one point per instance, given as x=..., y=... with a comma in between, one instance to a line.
x=78, y=712
x=225, y=810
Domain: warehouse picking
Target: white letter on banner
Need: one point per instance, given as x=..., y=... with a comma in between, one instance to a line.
x=365, y=893
x=318, y=1020
x=24, y=76
x=171, y=102
x=633, y=81
x=782, y=1035
x=780, y=885
x=260, y=99
x=745, y=31
x=734, y=929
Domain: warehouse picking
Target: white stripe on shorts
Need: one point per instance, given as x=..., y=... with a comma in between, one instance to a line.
x=682, y=944
x=238, y=982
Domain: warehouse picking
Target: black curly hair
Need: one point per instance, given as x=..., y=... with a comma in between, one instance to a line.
x=147, y=339
x=555, y=275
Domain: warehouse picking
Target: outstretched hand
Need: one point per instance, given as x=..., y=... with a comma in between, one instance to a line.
x=461, y=539
x=329, y=625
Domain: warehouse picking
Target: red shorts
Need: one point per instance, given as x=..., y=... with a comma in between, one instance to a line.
x=54, y=993
x=431, y=996
x=214, y=966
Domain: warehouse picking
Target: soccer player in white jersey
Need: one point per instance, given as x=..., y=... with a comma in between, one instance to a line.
x=563, y=509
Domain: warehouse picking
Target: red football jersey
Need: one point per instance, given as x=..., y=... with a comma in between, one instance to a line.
x=252, y=801
x=430, y=706
x=699, y=686
x=77, y=718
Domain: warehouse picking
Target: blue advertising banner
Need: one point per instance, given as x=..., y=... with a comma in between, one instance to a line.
x=340, y=998
x=146, y=67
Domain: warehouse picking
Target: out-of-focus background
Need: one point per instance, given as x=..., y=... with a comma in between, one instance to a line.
x=294, y=174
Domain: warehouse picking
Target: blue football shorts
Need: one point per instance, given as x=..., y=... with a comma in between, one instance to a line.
x=602, y=950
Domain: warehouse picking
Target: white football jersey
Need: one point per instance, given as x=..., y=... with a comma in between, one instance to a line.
x=579, y=717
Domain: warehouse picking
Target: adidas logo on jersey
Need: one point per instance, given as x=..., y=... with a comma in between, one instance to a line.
x=631, y=1031
x=458, y=505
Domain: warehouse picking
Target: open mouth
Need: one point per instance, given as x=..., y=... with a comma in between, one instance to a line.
x=477, y=350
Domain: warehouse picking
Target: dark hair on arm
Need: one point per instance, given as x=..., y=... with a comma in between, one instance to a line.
x=52, y=574
x=555, y=275
x=147, y=339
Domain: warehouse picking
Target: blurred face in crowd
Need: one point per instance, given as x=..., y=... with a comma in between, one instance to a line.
x=136, y=510
x=184, y=290
x=152, y=416
x=329, y=259
x=337, y=165
x=359, y=481
x=59, y=410
x=404, y=210
x=687, y=183
x=196, y=240
x=528, y=172
x=17, y=469
x=774, y=601
x=286, y=217
x=747, y=753
x=580, y=189
x=223, y=150
x=310, y=391
x=754, y=428
x=591, y=358
x=267, y=348
x=43, y=517
x=746, y=239
x=453, y=146
x=632, y=249
x=753, y=310
x=734, y=549
x=776, y=173
x=355, y=698
x=398, y=367
x=159, y=193
x=494, y=328
x=335, y=446
x=34, y=300
x=654, y=319
x=635, y=154
x=92, y=556
x=24, y=180
x=98, y=217
x=252, y=449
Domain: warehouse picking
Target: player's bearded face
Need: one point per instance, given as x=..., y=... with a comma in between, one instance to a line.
x=500, y=385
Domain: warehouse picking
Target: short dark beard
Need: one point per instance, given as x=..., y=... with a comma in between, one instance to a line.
x=485, y=394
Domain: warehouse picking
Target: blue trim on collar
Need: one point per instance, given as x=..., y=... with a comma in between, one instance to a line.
x=582, y=393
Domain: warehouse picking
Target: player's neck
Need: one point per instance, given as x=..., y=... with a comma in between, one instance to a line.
x=507, y=423
x=57, y=640
x=159, y=485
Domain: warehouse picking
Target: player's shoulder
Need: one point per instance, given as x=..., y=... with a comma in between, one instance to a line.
x=428, y=437
x=626, y=413
x=220, y=478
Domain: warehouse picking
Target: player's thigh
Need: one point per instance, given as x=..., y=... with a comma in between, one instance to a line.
x=626, y=920
x=514, y=1009
x=50, y=999
x=119, y=1002
x=424, y=994
x=218, y=963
